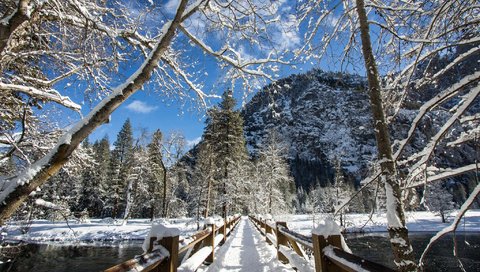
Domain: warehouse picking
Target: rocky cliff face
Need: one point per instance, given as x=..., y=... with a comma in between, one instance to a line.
x=319, y=117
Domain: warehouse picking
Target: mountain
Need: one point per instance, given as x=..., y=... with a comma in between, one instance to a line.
x=320, y=117
x=323, y=116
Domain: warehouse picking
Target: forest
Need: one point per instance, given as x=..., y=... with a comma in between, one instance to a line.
x=57, y=56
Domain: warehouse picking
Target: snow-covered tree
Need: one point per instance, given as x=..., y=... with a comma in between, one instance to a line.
x=101, y=179
x=201, y=186
x=340, y=192
x=83, y=36
x=411, y=33
x=275, y=181
x=224, y=138
x=438, y=199
x=158, y=178
x=173, y=148
x=120, y=166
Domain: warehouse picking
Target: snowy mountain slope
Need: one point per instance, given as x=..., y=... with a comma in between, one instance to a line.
x=320, y=117
x=323, y=116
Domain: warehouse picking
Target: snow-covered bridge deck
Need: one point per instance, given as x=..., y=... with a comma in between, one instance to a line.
x=245, y=250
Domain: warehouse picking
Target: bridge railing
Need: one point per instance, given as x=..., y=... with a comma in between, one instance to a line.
x=328, y=251
x=169, y=254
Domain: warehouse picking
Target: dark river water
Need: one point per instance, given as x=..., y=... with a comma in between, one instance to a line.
x=375, y=247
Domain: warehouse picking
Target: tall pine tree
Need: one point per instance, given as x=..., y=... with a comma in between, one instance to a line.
x=225, y=139
x=158, y=179
x=120, y=164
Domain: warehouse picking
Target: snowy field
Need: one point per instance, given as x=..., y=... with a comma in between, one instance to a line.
x=416, y=222
x=96, y=231
x=99, y=231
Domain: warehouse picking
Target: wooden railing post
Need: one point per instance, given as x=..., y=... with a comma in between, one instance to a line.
x=263, y=225
x=170, y=244
x=268, y=230
x=319, y=243
x=281, y=241
x=210, y=241
x=224, y=230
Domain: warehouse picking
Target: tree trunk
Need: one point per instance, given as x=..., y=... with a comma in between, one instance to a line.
x=16, y=191
x=402, y=249
x=152, y=211
x=209, y=188
x=164, y=203
x=128, y=201
x=19, y=17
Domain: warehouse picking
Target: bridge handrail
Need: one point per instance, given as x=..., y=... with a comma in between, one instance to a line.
x=168, y=260
x=297, y=237
x=147, y=261
x=328, y=253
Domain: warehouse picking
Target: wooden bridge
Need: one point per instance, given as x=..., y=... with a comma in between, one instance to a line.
x=248, y=244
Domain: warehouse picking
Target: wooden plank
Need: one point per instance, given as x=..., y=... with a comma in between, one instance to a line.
x=141, y=260
x=281, y=240
x=197, y=238
x=340, y=255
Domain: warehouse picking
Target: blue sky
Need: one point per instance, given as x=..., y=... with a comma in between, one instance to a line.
x=147, y=109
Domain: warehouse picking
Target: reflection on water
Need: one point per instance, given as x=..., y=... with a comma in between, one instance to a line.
x=59, y=258
x=376, y=247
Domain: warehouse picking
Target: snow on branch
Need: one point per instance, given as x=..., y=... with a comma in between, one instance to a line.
x=238, y=63
x=45, y=95
x=452, y=227
x=427, y=152
x=446, y=173
x=14, y=191
x=434, y=102
x=49, y=205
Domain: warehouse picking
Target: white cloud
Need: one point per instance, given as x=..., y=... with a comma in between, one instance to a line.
x=141, y=107
x=288, y=36
x=171, y=6
x=191, y=143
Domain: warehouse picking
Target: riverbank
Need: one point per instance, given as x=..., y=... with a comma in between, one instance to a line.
x=108, y=230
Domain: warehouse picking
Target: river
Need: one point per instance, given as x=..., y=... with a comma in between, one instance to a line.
x=374, y=246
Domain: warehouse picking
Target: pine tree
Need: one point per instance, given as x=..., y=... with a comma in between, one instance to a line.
x=120, y=165
x=224, y=136
x=158, y=176
x=101, y=179
x=90, y=188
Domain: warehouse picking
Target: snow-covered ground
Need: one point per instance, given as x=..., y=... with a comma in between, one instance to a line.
x=42, y=231
x=423, y=221
x=246, y=250
x=97, y=230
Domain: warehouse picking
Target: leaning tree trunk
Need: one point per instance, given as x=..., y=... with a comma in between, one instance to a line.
x=402, y=249
x=16, y=191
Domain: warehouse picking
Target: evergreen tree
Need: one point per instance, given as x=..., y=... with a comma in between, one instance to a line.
x=224, y=136
x=120, y=165
x=90, y=187
x=158, y=177
x=101, y=179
